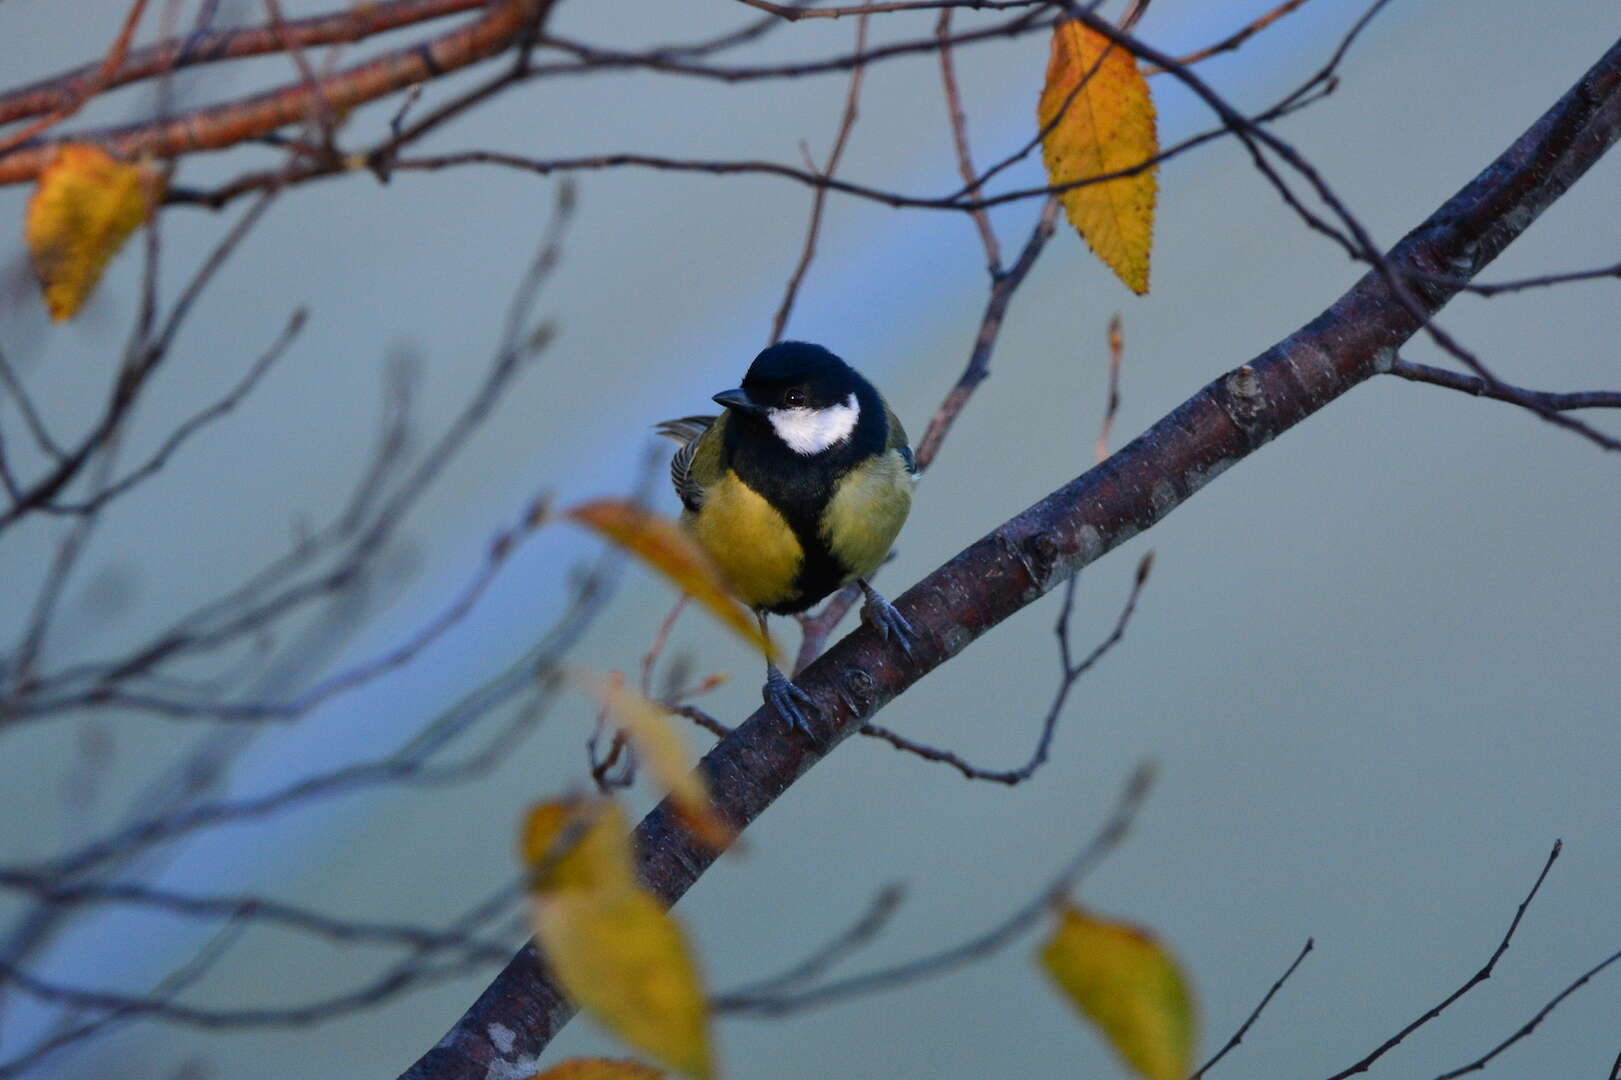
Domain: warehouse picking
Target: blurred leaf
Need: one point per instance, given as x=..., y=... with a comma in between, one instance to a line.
x=600, y=1069
x=83, y=209
x=1108, y=126
x=656, y=740
x=1126, y=983
x=614, y=950
x=662, y=544
x=578, y=844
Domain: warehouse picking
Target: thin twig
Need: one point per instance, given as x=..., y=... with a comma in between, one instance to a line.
x=30, y=415
x=990, y=327
x=1255, y=1014
x=166, y=990
x=863, y=930
x=1107, y=838
x=1474, y=980
x=1514, y=395
x=1235, y=39
x=1531, y=1025
x=959, y=141
x=650, y=658
x=1112, y=402
x=702, y=719
x=1071, y=674
x=847, y=123
x=249, y=908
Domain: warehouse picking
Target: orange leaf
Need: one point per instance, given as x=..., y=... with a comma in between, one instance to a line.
x=84, y=207
x=622, y=959
x=662, y=544
x=657, y=741
x=599, y=1069
x=1108, y=125
x=1127, y=984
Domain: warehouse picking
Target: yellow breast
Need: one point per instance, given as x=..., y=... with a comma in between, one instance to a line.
x=748, y=540
x=868, y=508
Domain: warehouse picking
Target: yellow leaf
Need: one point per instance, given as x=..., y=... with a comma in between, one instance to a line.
x=579, y=845
x=599, y=1069
x=84, y=207
x=660, y=543
x=1107, y=126
x=656, y=740
x=1126, y=983
x=623, y=960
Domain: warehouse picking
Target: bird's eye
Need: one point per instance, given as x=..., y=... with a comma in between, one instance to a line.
x=794, y=398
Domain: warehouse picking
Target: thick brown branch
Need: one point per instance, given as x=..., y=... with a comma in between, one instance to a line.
x=1046, y=544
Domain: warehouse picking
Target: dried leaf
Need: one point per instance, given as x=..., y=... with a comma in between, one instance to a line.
x=83, y=209
x=1108, y=126
x=622, y=959
x=663, y=545
x=656, y=740
x=578, y=844
x=600, y=1069
x=1127, y=984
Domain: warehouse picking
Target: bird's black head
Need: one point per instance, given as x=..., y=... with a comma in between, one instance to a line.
x=806, y=397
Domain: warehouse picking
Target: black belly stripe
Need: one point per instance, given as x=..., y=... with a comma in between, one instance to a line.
x=800, y=487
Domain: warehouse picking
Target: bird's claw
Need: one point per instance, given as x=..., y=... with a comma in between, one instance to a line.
x=886, y=620
x=787, y=698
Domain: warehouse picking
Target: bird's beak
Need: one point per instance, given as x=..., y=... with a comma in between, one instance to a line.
x=737, y=399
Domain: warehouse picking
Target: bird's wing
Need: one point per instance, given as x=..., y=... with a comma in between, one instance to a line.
x=690, y=432
x=897, y=440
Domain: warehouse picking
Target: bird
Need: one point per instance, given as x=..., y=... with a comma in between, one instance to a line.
x=796, y=490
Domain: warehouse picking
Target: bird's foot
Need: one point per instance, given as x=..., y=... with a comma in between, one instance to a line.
x=787, y=699
x=885, y=619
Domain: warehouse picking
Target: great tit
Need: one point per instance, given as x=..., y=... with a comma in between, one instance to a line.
x=796, y=490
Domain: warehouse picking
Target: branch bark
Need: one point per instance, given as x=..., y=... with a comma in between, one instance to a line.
x=507, y=1028
x=216, y=127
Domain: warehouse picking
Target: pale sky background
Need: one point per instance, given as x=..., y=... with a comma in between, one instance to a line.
x=1377, y=665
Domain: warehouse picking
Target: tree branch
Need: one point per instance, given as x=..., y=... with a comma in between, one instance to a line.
x=504, y=23
x=1042, y=547
x=212, y=46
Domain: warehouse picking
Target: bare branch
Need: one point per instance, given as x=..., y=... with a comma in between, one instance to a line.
x=1255, y=1014
x=1070, y=674
x=1531, y=1025
x=503, y=23
x=1106, y=839
x=990, y=327
x=1474, y=980
x=205, y=46
x=1514, y=395
x=852, y=102
x=1111, y=403
x=244, y=909
x=959, y=141
x=853, y=937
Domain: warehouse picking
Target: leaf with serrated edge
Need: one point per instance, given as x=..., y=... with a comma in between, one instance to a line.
x=1129, y=986
x=84, y=207
x=1108, y=125
x=662, y=544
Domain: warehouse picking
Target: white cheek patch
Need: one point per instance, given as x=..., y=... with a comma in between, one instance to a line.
x=810, y=431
